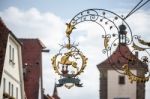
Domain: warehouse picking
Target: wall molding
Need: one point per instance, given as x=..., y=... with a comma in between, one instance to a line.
x=8, y=74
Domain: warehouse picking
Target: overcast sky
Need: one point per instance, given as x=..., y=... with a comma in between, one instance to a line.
x=45, y=19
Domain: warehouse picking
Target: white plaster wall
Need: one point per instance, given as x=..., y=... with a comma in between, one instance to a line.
x=12, y=69
x=13, y=73
x=116, y=90
x=15, y=84
x=40, y=89
x=1, y=91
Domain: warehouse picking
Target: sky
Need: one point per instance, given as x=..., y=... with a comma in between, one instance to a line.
x=45, y=19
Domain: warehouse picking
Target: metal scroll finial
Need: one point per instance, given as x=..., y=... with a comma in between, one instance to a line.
x=68, y=33
x=69, y=29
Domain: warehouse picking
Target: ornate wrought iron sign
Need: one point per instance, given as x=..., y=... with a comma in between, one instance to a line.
x=70, y=61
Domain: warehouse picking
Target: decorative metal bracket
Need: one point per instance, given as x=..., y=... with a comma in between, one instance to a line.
x=115, y=28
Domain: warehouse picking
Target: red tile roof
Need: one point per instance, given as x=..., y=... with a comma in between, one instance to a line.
x=48, y=97
x=4, y=31
x=32, y=61
x=119, y=57
x=54, y=96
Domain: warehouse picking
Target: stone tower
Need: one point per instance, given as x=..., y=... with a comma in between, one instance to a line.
x=114, y=85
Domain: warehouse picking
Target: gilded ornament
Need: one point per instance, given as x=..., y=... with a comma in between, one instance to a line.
x=133, y=77
x=106, y=41
x=69, y=65
x=143, y=42
x=136, y=47
x=69, y=29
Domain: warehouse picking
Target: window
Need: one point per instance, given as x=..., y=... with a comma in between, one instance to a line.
x=16, y=93
x=4, y=85
x=121, y=80
x=12, y=88
x=9, y=88
x=11, y=54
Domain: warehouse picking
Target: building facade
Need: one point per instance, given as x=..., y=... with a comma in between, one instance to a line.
x=11, y=72
x=114, y=85
x=21, y=67
x=32, y=63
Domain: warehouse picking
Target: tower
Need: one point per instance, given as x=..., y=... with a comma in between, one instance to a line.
x=55, y=93
x=114, y=85
x=32, y=63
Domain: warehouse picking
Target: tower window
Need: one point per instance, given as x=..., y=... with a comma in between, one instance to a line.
x=121, y=80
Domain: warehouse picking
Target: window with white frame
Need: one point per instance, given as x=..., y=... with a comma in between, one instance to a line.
x=11, y=54
x=4, y=85
x=16, y=92
x=12, y=88
x=9, y=88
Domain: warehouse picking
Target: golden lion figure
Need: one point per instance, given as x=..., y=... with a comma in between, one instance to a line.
x=66, y=62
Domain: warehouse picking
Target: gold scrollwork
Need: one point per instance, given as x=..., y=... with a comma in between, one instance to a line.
x=54, y=64
x=84, y=63
x=69, y=86
x=143, y=42
x=137, y=47
x=133, y=77
x=106, y=41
